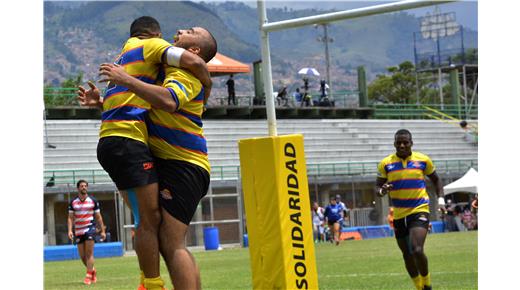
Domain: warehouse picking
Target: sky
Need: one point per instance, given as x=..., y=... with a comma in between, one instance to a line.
x=466, y=11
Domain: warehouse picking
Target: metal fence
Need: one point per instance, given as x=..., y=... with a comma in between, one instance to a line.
x=232, y=172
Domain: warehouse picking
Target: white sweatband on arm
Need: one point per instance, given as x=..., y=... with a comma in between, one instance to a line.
x=173, y=56
x=441, y=201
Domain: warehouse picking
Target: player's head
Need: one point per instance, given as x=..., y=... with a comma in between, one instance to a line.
x=333, y=200
x=403, y=143
x=146, y=27
x=197, y=40
x=82, y=186
x=338, y=197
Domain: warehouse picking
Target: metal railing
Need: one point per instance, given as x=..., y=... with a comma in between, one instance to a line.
x=232, y=172
x=418, y=111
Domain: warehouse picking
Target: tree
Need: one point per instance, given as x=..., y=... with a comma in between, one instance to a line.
x=399, y=87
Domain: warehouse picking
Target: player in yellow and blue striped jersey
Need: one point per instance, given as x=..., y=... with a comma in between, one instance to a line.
x=402, y=176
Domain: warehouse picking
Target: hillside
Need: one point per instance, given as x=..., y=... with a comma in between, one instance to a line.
x=80, y=36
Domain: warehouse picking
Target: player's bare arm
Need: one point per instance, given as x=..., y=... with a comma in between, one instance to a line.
x=382, y=187
x=157, y=96
x=439, y=190
x=90, y=97
x=70, y=220
x=198, y=67
x=99, y=220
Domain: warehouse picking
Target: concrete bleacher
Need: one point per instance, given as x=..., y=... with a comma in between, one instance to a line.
x=326, y=141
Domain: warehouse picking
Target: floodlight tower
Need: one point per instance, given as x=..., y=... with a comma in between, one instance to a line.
x=434, y=27
x=326, y=39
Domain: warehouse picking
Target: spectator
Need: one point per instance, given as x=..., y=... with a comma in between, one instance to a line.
x=318, y=218
x=306, y=100
x=297, y=96
x=344, y=212
x=323, y=89
x=450, y=217
x=305, y=85
x=231, y=90
x=281, y=97
x=469, y=134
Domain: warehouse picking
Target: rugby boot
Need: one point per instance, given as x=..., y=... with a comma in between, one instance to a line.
x=94, y=275
x=88, y=279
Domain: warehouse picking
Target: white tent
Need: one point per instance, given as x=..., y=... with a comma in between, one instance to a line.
x=467, y=183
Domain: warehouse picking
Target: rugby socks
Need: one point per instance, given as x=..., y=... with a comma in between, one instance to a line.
x=417, y=281
x=154, y=283
x=426, y=281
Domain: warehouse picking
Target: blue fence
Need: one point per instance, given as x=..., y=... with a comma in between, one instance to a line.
x=70, y=252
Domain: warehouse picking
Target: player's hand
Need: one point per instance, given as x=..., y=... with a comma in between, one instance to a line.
x=71, y=235
x=385, y=189
x=442, y=209
x=103, y=236
x=91, y=97
x=114, y=73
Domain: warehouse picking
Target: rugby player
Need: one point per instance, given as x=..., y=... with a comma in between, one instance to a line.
x=82, y=211
x=123, y=146
x=402, y=176
x=178, y=143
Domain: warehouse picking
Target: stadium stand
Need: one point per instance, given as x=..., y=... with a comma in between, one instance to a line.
x=326, y=141
x=341, y=154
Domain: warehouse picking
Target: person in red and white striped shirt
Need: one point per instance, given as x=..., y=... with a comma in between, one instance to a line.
x=84, y=212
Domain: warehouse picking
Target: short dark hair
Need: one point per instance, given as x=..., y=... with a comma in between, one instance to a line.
x=80, y=182
x=144, y=25
x=403, y=132
x=463, y=124
x=208, y=48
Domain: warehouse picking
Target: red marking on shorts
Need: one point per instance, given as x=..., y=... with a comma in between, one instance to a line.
x=148, y=165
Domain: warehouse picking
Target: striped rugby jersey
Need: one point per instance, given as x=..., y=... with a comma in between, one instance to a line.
x=179, y=135
x=83, y=214
x=123, y=112
x=407, y=176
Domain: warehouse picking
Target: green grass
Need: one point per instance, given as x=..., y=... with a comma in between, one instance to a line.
x=366, y=264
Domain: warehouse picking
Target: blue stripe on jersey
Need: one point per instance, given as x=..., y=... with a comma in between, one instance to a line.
x=408, y=184
x=174, y=96
x=119, y=89
x=416, y=165
x=179, y=138
x=132, y=55
x=200, y=96
x=124, y=113
x=393, y=167
x=195, y=119
x=410, y=203
x=181, y=86
x=113, y=90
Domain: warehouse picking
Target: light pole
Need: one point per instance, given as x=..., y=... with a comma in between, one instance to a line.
x=326, y=39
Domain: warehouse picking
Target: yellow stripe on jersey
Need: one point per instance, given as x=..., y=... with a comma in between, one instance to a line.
x=179, y=135
x=407, y=176
x=123, y=112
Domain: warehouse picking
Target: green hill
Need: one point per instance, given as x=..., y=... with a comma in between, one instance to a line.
x=81, y=35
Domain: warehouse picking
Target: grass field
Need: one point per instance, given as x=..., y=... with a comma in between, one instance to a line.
x=366, y=264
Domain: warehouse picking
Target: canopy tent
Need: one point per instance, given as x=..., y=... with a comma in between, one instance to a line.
x=467, y=183
x=223, y=65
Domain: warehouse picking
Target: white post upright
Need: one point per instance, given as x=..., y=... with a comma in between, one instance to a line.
x=266, y=70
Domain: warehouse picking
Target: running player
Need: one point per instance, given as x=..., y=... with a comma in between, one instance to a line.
x=334, y=218
x=82, y=211
x=402, y=176
x=122, y=148
x=178, y=143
